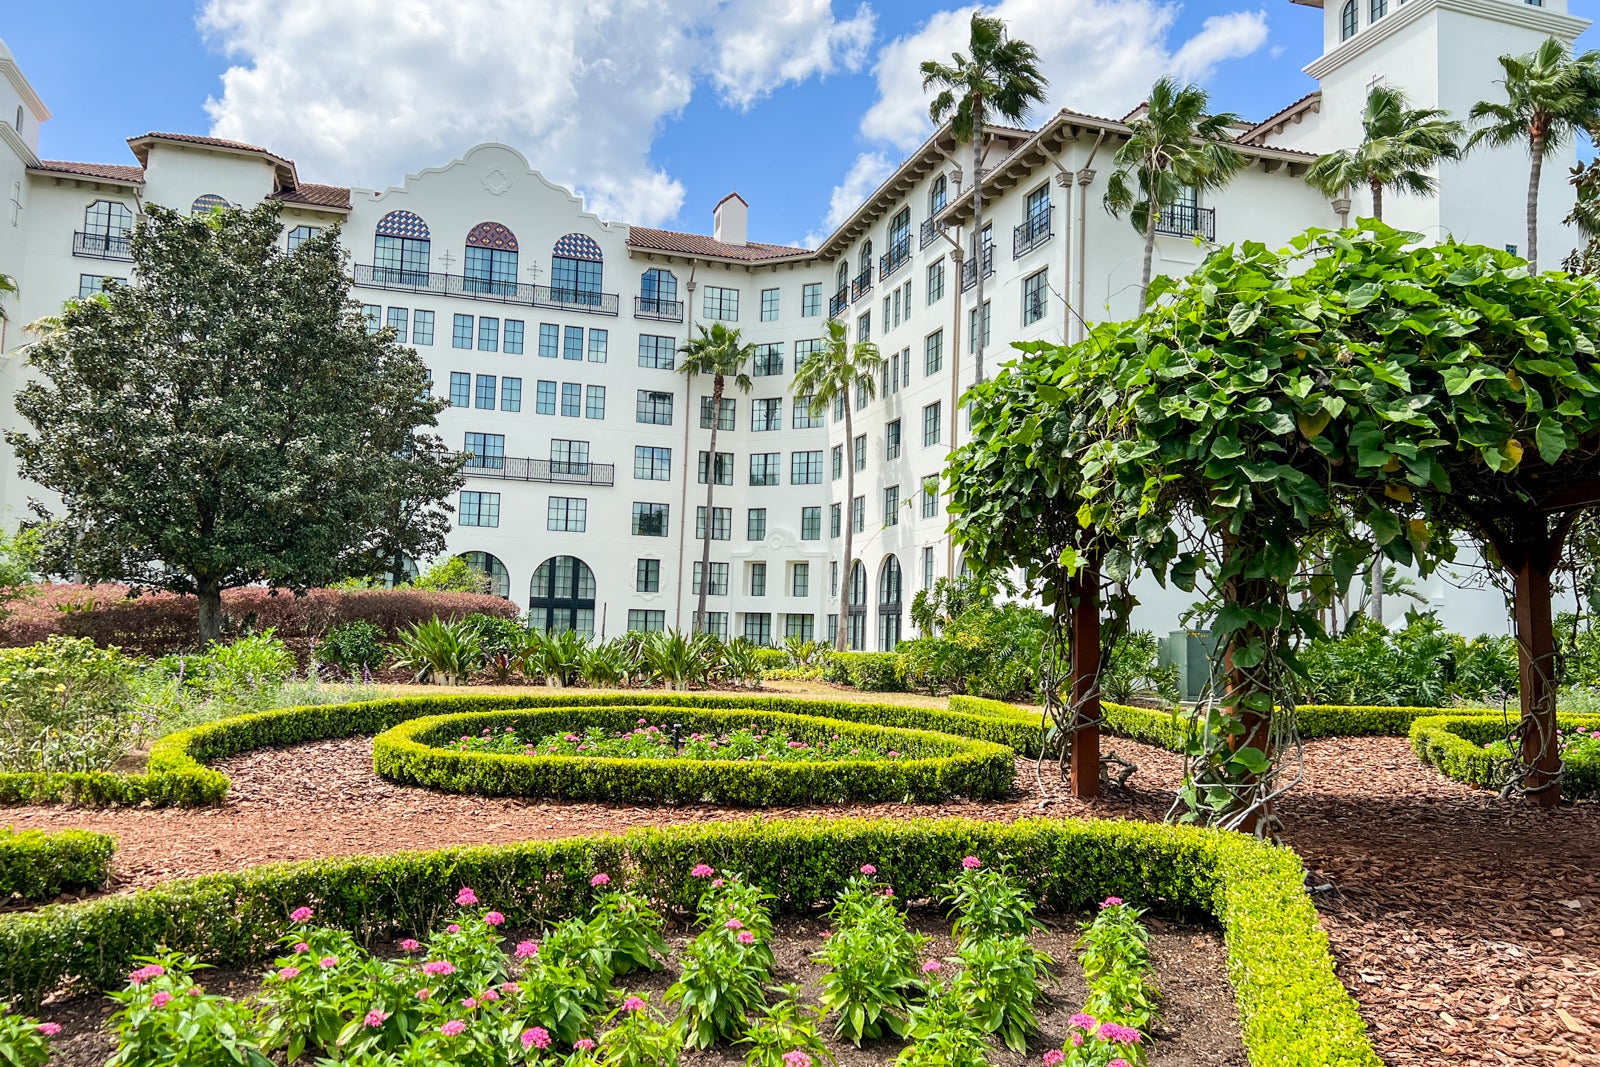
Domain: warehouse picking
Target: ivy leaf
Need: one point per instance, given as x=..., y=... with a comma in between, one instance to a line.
x=1551, y=438
x=1242, y=317
x=1252, y=759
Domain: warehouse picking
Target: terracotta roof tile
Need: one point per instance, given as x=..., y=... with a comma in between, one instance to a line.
x=110, y=171
x=335, y=196
x=215, y=142
x=695, y=244
x=1258, y=133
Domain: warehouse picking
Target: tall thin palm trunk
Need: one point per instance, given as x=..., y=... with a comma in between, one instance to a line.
x=977, y=230
x=711, y=489
x=1377, y=199
x=1149, y=251
x=847, y=517
x=1536, y=145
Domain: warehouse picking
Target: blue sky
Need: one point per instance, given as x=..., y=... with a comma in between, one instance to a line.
x=655, y=108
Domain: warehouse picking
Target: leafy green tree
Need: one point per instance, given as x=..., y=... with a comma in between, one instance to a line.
x=824, y=377
x=8, y=285
x=453, y=574
x=1173, y=146
x=228, y=419
x=998, y=74
x=1399, y=146
x=1550, y=96
x=722, y=354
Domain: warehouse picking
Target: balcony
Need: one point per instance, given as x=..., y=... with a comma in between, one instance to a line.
x=931, y=229
x=562, y=472
x=102, y=246
x=969, y=268
x=840, y=301
x=502, y=292
x=1187, y=220
x=899, y=255
x=862, y=285
x=649, y=307
x=1031, y=234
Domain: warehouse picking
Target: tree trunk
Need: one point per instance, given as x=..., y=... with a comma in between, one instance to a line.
x=1151, y=215
x=1536, y=660
x=1256, y=724
x=210, y=595
x=1536, y=147
x=1084, y=589
x=711, y=488
x=1375, y=600
x=1377, y=200
x=847, y=517
x=977, y=233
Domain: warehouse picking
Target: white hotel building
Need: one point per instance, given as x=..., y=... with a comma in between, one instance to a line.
x=553, y=332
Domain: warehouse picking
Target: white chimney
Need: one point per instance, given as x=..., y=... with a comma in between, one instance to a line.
x=731, y=220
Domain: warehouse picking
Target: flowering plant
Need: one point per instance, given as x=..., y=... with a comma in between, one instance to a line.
x=167, y=1018
x=726, y=966
x=942, y=1031
x=1002, y=978
x=874, y=964
x=637, y=1036
x=24, y=1042
x=986, y=903
x=1114, y=950
x=786, y=1034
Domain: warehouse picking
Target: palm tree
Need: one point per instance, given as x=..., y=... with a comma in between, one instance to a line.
x=824, y=377
x=1001, y=74
x=1550, y=96
x=8, y=284
x=1399, y=145
x=1173, y=146
x=721, y=353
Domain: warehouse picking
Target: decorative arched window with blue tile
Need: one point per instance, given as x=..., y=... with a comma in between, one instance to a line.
x=207, y=202
x=576, y=267
x=400, y=249
x=491, y=263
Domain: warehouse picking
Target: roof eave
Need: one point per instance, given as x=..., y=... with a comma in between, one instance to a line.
x=106, y=179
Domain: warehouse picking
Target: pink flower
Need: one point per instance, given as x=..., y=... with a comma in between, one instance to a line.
x=583, y=1043
x=633, y=1004
x=734, y=924
x=194, y=991
x=289, y=973
x=328, y=961
x=600, y=879
x=893, y=754
x=538, y=1037
x=424, y=994
x=488, y=996
x=453, y=928
x=161, y=999
x=1054, y=1056
x=1118, y=1035
x=702, y=871
x=1110, y=902
x=526, y=949
x=746, y=937
x=466, y=898
x=144, y=974
x=867, y=868
x=375, y=1018
x=434, y=968
x=469, y=1003
x=1084, y=1021
x=453, y=1028
x=797, y=1059
x=932, y=967
x=300, y=915
x=410, y=944
x=888, y=890
x=510, y=988
x=301, y=947
x=717, y=883
x=971, y=863
x=1119, y=1062
x=1077, y=1040
x=494, y=918
x=49, y=1029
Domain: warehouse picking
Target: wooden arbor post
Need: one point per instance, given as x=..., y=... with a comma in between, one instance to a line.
x=1084, y=590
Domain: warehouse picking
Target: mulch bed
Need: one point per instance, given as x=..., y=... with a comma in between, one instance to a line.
x=1468, y=928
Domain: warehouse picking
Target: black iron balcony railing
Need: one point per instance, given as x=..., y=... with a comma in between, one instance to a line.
x=969, y=268
x=504, y=292
x=102, y=246
x=931, y=230
x=899, y=255
x=862, y=285
x=840, y=301
x=650, y=307
x=571, y=472
x=1034, y=232
x=1186, y=220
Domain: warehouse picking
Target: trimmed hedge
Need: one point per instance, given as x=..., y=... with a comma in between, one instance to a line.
x=941, y=766
x=35, y=865
x=1454, y=745
x=870, y=672
x=1293, y=1009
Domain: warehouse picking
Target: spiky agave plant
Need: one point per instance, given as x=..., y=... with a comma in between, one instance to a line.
x=443, y=652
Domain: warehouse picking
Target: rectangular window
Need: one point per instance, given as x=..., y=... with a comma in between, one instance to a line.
x=569, y=457
x=716, y=624
x=833, y=630
x=932, y=353
x=594, y=402
x=768, y=361
x=642, y=621
x=803, y=418
x=572, y=342
x=488, y=451
x=371, y=314
x=652, y=464
x=800, y=627
x=932, y=421
x=460, y=389
x=935, y=284
x=1033, y=293
x=833, y=520
x=722, y=304
x=769, y=305
x=927, y=567
x=864, y=328
x=719, y=579
x=810, y=300
x=599, y=345
x=571, y=399
x=656, y=352
x=480, y=509
x=891, y=440
x=545, y=398
x=89, y=284
x=653, y=408
x=858, y=513
x=805, y=468
x=930, y=497
x=488, y=334
x=861, y=453
x=862, y=395
x=766, y=468
x=838, y=462
x=461, y=334
x=549, y=339
x=755, y=524
x=758, y=627
x=567, y=514
x=721, y=524
x=724, y=468
x=811, y=524
x=800, y=579
x=804, y=350
x=758, y=579
x=838, y=406
x=485, y=392
x=972, y=327
x=510, y=394
x=647, y=576
x=422, y=328
x=766, y=414
x=891, y=506
x=397, y=323
x=512, y=345
x=726, y=414
x=649, y=520
x=833, y=587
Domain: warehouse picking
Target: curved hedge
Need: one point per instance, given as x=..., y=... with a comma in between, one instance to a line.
x=1294, y=1011
x=1454, y=745
x=35, y=865
x=941, y=766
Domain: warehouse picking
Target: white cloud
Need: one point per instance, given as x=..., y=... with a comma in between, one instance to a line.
x=366, y=90
x=865, y=174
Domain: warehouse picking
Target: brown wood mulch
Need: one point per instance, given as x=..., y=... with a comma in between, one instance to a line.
x=1467, y=928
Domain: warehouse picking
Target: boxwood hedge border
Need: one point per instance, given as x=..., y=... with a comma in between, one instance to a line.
x=37, y=865
x=1294, y=1011
x=937, y=767
x=1453, y=744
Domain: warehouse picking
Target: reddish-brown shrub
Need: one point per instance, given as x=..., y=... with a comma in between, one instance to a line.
x=155, y=624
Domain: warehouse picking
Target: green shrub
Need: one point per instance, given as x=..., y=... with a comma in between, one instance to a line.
x=870, y=672
x=1454, y=744
x=439, y=651
x=65, y=705
x=772, y=659
x=353, y=647
x=1421, y=664
x=35, y=865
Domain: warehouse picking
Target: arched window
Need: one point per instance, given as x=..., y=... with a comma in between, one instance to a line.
x=400, y=572
x=208, y=202
x=575, y=270
x=301, y=234
x=844, y=273
x=1378, y=9
x=400, y=249
x=106, y=224
x=857, y=608
x=865, y=263
x=889, y=605
x=658, y=292
x=499, y=577
x=491, y=263
x=1347, y=20
x=562, y=596
x=19, y=118
x=938, y=194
